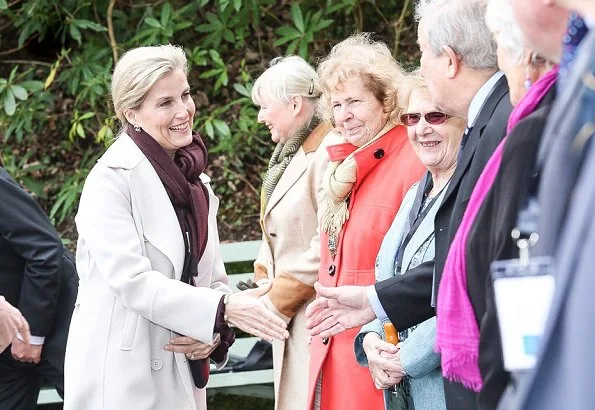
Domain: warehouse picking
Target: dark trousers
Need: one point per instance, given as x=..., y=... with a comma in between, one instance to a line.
x=458, y=397
x=20, y=382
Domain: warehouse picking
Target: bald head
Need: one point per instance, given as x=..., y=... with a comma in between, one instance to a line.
x=543, y=25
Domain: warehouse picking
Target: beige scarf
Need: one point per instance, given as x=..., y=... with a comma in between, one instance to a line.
x=339, y=179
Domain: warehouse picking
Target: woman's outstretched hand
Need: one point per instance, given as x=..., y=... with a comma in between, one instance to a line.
x=246, y=311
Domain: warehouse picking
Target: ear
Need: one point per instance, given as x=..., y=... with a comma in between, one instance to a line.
x=453, y=63
x=296, y=102
x=527, y=56
x=130, y=116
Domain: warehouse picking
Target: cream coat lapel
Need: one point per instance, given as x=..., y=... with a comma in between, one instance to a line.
x=297, y=166
x=149, y=201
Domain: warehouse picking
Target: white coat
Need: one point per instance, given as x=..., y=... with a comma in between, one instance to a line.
x=131, y=301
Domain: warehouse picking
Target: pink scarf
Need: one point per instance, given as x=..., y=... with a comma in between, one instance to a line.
x=457, y=333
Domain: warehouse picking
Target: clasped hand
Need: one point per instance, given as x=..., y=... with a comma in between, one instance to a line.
x=384, y=361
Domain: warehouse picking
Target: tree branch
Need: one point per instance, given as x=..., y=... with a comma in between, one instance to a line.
x=110, y=29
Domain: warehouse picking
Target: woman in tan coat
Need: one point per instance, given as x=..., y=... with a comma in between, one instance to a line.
x=287, y=93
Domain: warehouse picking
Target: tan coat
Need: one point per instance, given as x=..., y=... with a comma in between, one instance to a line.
x=290, y=257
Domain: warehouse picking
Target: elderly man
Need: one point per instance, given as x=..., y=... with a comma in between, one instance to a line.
x=41, y=282
x=459, y=64
x=564, y=371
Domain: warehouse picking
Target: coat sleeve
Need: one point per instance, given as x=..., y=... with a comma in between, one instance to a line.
x=418, y=357
x=26, y=228
x=292, y=289
x=406, y=299
x=358, y=343
x=106, y=225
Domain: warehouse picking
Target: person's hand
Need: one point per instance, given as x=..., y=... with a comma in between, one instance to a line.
x=384, y=361
x=192, y=348
x=11, y=323
x=25, y=352
x=246, y=311
x=338, y=309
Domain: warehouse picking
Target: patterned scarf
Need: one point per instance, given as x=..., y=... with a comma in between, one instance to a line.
x=282, y=156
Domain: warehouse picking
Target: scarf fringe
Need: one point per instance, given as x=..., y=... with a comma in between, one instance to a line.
x=465, y=360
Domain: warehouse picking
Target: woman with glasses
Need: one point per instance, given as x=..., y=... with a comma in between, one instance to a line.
x=413, y=366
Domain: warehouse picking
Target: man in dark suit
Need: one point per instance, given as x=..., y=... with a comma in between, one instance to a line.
x=38, y=279
x=460, y=67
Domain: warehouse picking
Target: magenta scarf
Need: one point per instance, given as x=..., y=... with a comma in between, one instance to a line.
x=457, y=332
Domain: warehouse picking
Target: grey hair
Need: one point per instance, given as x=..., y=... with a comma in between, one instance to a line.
x=500, y=20
x=287, y=77
x=459, y=24
x=138, y=70
x=413, y=81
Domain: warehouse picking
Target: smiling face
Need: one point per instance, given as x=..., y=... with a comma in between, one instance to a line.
x=279, y=117
x=167, y=112
x=358, y=115
x=435, y=145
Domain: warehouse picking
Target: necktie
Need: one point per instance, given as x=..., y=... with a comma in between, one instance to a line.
x=468, y=130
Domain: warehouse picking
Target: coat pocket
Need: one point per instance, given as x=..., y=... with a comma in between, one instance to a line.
x=129, y=332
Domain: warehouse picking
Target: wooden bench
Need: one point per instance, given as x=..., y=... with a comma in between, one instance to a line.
x=257, y=383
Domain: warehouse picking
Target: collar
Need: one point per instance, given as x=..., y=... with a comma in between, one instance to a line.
x=480, y=98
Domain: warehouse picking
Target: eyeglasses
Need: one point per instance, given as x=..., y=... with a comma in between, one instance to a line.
x=432, y=118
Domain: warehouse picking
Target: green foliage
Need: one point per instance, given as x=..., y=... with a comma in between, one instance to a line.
x=57, y=57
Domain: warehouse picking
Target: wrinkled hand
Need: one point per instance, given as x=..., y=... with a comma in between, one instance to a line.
x=11, y=322
x=25, y=352
x=246, y=311
x=192, y=348
x=338, y=309
x=384, y=361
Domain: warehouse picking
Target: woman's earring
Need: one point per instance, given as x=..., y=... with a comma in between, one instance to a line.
x=528, y=82
x=137, y=128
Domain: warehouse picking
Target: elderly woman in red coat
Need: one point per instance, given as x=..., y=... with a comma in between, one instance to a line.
x=366, y=180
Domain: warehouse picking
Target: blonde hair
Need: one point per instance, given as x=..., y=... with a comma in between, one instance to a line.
x=413, y=81
x=286, y=77
x=371, y=61
x=138, y=70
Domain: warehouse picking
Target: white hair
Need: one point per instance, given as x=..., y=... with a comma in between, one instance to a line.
x=500, y=20
x=287, y=77
x=138, y=70
x=459, y=24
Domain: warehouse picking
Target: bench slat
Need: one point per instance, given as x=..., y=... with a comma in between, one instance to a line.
x=240, y=251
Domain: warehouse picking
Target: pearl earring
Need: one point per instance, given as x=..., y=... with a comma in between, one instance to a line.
x=137, y=128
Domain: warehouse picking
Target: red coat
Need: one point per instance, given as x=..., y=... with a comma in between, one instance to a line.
x=386, y=169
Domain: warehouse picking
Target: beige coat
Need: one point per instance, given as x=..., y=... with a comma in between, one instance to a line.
x=290, y=257
x=130, y=255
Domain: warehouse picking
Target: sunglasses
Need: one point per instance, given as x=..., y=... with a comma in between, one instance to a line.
x=432, y=118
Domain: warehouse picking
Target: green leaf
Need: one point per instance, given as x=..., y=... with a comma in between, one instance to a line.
x=150, y=21
x=287, y=31
x=242, y=90
x=31, y=85
x=19, y=92
x=75, y=33
x=87, y=24
x=86, y=116
x=222, y=128
x=209, y=129
x=292, y=46
x=211, y=73
x=297, y=17
x=165, y=13
x=10, y=105
x=228, y=35
x=3, y=5
x=323, y=24
x=182, y=25
x=80, y=131
x=237, y=4
x=206, y=28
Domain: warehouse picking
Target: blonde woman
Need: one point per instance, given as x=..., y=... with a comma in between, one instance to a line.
x=287, y=94
x=365, y=182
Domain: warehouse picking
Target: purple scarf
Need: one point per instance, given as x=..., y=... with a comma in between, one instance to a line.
x=457, y=332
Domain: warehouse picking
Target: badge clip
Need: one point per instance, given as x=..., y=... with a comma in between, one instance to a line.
x=524, y=244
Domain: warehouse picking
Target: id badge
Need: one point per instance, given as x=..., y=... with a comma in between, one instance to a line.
x=523, y=294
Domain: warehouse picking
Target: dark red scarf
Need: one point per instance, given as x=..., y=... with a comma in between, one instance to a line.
x=189, y=196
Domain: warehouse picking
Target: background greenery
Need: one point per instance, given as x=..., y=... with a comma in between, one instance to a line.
x=56, y=58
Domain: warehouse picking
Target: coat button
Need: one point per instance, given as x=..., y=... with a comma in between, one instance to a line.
x=331, y=270
x=379, y=153
x=156, y=364
x=274, y=235
x=325, y=340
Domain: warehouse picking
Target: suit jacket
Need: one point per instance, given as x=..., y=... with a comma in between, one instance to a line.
x=131, y=301
x=419, y=360
x=563, y=374
x=33, y=275
x=489, y=240
x=406, y=299
x=290, y=256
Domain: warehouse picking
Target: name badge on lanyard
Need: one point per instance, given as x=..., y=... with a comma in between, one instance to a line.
x=523, y=291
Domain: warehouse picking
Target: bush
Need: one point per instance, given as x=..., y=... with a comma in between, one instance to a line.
x=55, y=114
